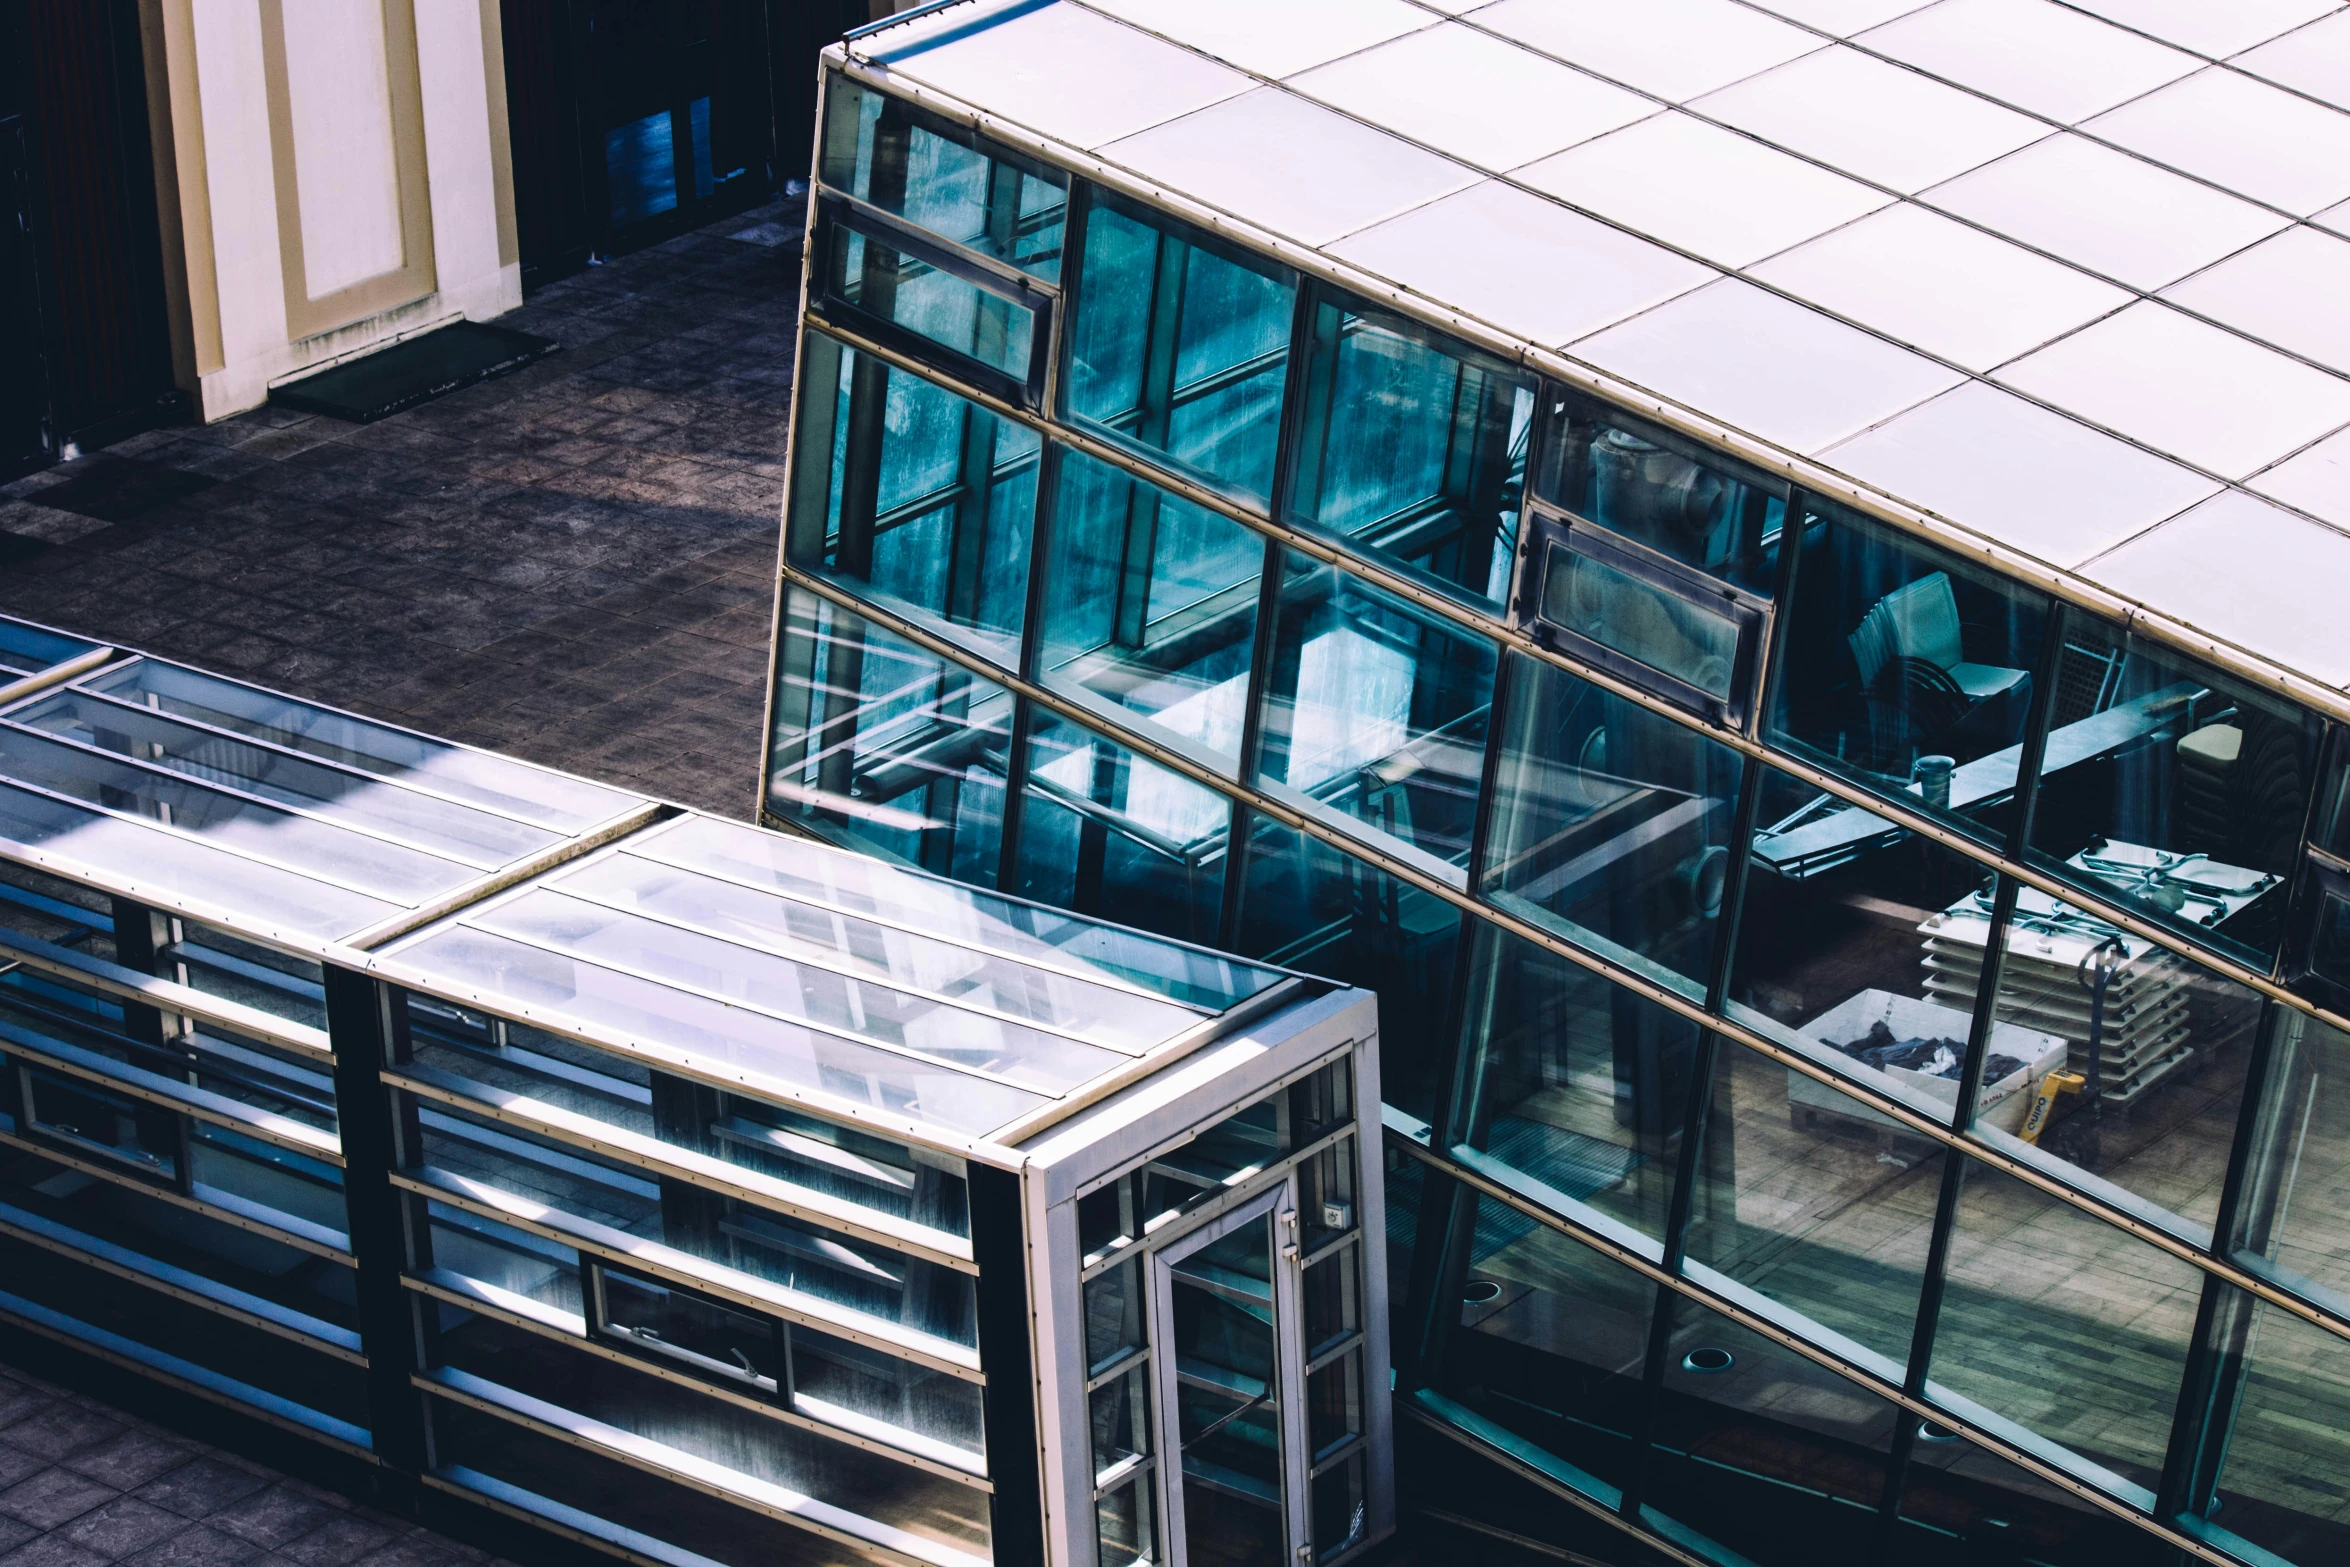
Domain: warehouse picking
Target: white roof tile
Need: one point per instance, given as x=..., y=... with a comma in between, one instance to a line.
x=1675, y=49
x=2248, y=573
x=2215, y=27
x=1766, y=365
x=1019, y=68
x=2034, y=54
x=1294, y=167
x=1479, y=98
x=1872, y=119
x=2313, y=59
x=2293, y=291
x=1527, y=265
x=1939, y=285
x=1272, y=37
x=1843, y=18
x=2225, y=127
x=2017, y=473
x=2106, y=210
x=1710, y=191
x=2317, y=480
x=2181, y=386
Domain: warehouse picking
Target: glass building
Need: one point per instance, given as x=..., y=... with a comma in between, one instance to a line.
x=695, y=1192
x=1767, y=575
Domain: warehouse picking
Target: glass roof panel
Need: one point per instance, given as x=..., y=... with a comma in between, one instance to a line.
x=27, y=650
x=1766, y=365
x=1272, y=40
x=2249, y=573
x=423, y=821
x=2293, y=290
x=1065, y=71
x=1330, y=177
x=2112, y=213
x=2039, y=56
x=2314, y=59
x=2196, y=391
x=1118, y=1018
x=496, y=783
x=2018, y=473
x=1703, y=189
x=2336, y=219
x=2243, y=134
x=1496, y=252
x=2214, y=27
x=385, y=870
x=139, y=856
x=2317, y=480
x=664, y=954
x=1872, y=119
x=798, y=868
x=1675, y=49
x=1949, y=289
x=514, y=976
x=1842, y=17
x=1474, y=96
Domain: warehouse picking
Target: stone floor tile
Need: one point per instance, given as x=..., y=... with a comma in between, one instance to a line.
x=53, y=1497
x=337, y=1542
x=204, y=1487
x=272, y=1517
x=197, y=1546
x=130, y=1458
x=122, y=1526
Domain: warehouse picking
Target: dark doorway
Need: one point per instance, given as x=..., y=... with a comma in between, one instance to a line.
x=85, y=343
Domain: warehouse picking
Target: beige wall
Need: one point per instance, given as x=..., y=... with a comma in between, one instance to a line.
x=339, y=175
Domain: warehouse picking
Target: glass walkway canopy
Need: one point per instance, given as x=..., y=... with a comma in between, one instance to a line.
x=695, y=1191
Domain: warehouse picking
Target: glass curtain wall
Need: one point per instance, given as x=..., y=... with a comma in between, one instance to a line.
x=1827, y=986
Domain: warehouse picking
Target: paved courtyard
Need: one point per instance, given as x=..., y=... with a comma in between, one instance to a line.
x=574, y=563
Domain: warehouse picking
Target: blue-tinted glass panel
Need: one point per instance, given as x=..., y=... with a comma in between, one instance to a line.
x=882, y=746
x=1668, y=494
x=1375, y=716
x=958, y=185
x=1611, y=822
x=1547, y=1341
x=1180, y=347
x=1807, y=1200
x=883, y=280
x=1908, y=670
x=1574, y=1087
x=2294, y=1224
x=27, y=650
x=1150, y=609
x=1961, y=1505
x=1306, y=905
x=2174, y=788
x=2063, y=1333
x=1108, y=833
x=1740, y=1420
x=914, y=497
x=2282, y=1460
x=1413, y=448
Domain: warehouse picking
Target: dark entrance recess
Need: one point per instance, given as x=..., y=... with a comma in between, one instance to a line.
x=633, y=120
x=85, y=343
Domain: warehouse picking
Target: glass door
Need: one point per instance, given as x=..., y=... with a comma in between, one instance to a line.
x=1224, y=1304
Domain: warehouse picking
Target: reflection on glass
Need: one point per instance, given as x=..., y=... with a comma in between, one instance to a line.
x=1738, y=1417
x=2294, y=1223
x=1113, y=1315
x=26, y=650
x=1228, y=1397
x=2071, y=1334
x=2175, y=789
x=1179, y=346
x=1150, y=609
x=1686, y=503
x=700, y=1334
x=1375, y=716
x=2156, y=1049
x=91, y=1119
x=1611, y=822
x=1126, y=1524
x=1551, y=1341
x=2280, y=1463
x=1573, y=1086
x=1961, y=1505
x=1823, y=1214
x=1047, y=937
x=914, y=497
x=1107, y=833
x=1309, y=906
x=939, y=175
x=883, y=280
x=1896, y=659
x=1413, y=447
x=859, y=1389
x=512, y=1260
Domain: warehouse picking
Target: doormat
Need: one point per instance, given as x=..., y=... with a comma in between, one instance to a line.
x=392, y=380
x=117, y=489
